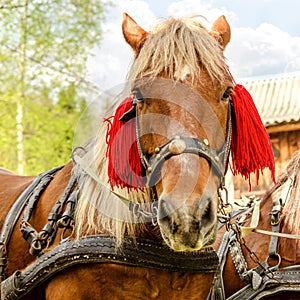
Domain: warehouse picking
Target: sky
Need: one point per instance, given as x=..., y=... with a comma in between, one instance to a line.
x=265, y=35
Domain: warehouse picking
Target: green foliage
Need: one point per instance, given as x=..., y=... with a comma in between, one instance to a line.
x=44, y=46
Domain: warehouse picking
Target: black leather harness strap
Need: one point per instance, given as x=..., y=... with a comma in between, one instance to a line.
x=13, y=216
x=278, y=205
x=38, y=241
x=217, y=291
x=102, y=249
x=285, y=280
x=264, y=280
x=191, y=145
x=261, y=282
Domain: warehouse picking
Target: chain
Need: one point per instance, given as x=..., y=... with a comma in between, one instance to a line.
x=225, y=208
x=264, y=266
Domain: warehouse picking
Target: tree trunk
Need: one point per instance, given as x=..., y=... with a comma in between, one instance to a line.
x=21, y=98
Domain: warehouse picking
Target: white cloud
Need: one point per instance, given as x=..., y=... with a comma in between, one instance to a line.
x=264, y=50
x=108, y=67
x=252, y=51
x=203, y=8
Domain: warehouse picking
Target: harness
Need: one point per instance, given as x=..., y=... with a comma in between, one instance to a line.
x=263, y=280
x=137, y=252
x=99, y=248
x=15, y=212
x=102, y=249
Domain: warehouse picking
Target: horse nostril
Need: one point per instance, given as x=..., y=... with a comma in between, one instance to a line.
x=165, y=209
x=207, y=216
x=197, y=225
x=174, y=228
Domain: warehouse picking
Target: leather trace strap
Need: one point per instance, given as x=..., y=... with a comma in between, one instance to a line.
x=102, y=249
x=61, y=216
x=14, y=214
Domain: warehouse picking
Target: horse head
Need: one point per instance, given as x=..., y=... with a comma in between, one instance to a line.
x=180, y=95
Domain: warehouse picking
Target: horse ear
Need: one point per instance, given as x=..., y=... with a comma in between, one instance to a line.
x=220, y=30
x=133, y=33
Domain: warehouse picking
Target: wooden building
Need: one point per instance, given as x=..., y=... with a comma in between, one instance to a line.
x=277, y=99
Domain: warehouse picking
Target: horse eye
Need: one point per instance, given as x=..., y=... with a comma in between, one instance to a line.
x=227, y=94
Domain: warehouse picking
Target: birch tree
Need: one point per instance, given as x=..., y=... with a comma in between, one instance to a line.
x=44, y=46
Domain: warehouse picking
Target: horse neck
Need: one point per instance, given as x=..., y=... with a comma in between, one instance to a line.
x=290, y=223
x=291, y=212
x=288, y=248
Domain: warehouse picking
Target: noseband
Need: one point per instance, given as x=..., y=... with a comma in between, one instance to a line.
x=182, y=144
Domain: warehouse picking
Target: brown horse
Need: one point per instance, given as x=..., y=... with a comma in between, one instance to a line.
x=5, y=171
x=272, y=263
x=92, y=240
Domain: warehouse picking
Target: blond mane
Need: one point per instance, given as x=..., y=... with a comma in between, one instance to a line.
x=171, y=46
x=176, y=44
x=98, y=209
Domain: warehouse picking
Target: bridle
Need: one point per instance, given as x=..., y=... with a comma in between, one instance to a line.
x=182, y=144
x=177, y=145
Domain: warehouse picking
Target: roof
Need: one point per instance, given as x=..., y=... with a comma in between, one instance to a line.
x=277, y=97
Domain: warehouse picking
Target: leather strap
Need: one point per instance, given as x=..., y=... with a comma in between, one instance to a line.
x=13, y=216
x=102, y=249
x=217, y=291
x=254, y=220
x=192, y=145
x=28, y=232
x=278, y=234
x=288, y=280
x=278, y=205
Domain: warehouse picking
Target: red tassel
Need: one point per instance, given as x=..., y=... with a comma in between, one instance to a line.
x=251, y=148
x=124, y=163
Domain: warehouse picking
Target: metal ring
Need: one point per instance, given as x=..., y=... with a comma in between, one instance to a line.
x=274, y=256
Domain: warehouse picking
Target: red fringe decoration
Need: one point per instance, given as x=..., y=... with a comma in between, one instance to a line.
x=251, y=147
x=124, y=163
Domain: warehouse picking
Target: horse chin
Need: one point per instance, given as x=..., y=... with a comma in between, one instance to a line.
x=179, y=247
x=175, y=244
x=186, y=227
x=186, y=241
